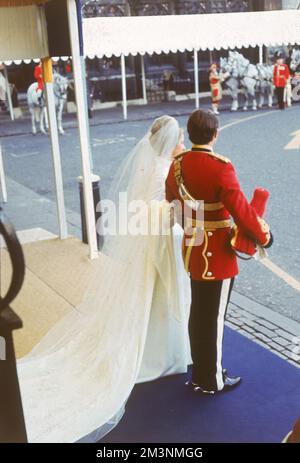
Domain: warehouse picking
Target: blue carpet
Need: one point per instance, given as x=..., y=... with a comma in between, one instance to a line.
x=262, y=409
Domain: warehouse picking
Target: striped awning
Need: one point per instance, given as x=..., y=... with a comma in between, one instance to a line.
x=114, y=36
x=23, y=32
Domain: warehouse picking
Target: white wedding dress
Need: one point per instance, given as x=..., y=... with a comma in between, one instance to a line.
x=131, y=326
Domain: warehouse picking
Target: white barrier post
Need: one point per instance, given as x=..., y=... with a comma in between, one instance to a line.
x=80, y=90
x=144, y=79
x=196, y=74
x=60, y=201
x=124, y=91
x=2, y=178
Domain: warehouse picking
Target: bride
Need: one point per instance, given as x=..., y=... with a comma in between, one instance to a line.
x=132, y=323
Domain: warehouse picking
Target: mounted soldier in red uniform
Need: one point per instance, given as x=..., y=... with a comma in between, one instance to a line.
x=38, y=75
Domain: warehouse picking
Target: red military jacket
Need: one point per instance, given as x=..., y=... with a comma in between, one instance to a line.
x=281, y=75
x=210, y=177
x=214, y=80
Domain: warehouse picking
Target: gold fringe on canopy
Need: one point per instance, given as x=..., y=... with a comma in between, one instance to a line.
x=8, y=3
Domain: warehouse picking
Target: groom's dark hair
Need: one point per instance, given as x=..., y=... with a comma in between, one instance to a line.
x=202, y=126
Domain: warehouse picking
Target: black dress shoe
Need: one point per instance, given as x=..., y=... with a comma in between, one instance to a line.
x=231, y=382
x=191, y=384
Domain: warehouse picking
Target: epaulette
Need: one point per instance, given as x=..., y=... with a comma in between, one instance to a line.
x=220, y=157
x=181, y=154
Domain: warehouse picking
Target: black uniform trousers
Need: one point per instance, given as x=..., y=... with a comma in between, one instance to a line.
x=280, y=96
x=206, y=325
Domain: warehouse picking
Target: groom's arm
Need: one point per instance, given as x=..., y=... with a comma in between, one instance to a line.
x=169, y=194
x=242, y=212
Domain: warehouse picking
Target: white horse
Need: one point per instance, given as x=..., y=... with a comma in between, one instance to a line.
x=243, y=76
x=248, y=78
x=37, y=107
x=295, y=68
x=265, y=84
x=232, y=82
x=295, y=59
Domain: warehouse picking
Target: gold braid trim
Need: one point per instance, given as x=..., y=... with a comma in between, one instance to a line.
x=234, y=236
x=213, y=206
x=211, y=153
x=183, y=191
x=208, y=224
x=189, y=250
x=205, y=258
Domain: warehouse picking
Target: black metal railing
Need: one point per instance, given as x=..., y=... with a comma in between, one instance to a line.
x=12, y=423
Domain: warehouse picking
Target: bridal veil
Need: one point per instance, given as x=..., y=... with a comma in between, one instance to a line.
x=76, y=381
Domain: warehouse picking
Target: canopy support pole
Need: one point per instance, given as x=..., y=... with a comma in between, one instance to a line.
x=2, y=178
x=196, y=75
x=261, y=57
x=124, y=92
x=84, y=139
x=9, y=100
x=144, y=79
x=60, y=202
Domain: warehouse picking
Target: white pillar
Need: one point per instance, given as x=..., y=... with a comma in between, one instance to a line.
x=124, y=92
x=11, y=109
x=144, y=79
x=2, y=178
x=196, y=75
x=60, y=201
x=83, y=130
x=261, y=57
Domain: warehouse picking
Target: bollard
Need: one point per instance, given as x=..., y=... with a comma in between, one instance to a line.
x=96, y=197
x=12, y=424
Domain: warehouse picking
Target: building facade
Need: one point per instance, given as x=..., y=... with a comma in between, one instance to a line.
x=155, y=7
x=163, y=72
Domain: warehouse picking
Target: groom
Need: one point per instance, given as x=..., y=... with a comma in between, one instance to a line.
x=201, y=174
